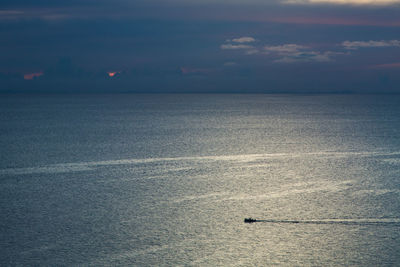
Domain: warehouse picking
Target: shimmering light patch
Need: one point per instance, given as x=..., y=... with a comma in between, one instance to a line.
x=31, y=76
x=245, y=158
x=346, y=2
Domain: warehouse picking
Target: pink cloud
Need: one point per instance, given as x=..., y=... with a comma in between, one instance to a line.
x=113, y=73
x=31, y=76
x=334, y=21
x=263, y=15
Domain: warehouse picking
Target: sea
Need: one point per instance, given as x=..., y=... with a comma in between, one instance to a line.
x=167, y=180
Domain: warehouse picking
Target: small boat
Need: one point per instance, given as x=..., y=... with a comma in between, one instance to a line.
x=249, y=220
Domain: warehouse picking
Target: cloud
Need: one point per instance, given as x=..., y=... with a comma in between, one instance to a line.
x=230, y=64
x=46, y=14
x=346, y=2
x=395, y=65
x=284, y=53
x=191, y=71
x=10, y=12
x=306, y=56
x=362, y=44
x=332, y=20
x=241, y=43
x=244, y=40
x=252, y=51
x=285, y=48
x=290, y=53
x=31, y=76
x=233, y=46
x=113, y=73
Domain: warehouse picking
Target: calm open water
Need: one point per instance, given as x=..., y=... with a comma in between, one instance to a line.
x=166, y=180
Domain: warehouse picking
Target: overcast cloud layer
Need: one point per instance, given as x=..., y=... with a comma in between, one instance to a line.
x=276, y=46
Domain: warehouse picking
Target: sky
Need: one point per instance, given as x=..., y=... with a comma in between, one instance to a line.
x=192, y=46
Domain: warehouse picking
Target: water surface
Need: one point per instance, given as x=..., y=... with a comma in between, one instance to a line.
x=167, y=180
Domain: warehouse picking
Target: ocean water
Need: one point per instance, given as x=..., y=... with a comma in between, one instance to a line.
x=167, y=180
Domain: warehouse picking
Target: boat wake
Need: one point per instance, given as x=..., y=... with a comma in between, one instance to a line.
x=392, y=221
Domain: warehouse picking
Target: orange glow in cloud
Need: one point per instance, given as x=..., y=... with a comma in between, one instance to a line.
x=31, y=76
x=112, y=73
